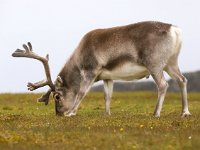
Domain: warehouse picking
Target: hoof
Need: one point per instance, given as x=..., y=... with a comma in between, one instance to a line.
x=156, y=115
x=185, y=114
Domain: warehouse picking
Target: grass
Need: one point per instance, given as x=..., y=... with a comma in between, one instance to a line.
x=25, y=124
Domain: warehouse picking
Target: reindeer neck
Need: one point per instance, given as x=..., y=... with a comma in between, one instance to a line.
x=70, y=75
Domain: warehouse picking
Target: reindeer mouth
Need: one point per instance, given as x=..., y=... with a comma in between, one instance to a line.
x=69, y=114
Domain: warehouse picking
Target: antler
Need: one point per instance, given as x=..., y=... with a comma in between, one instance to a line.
x=30, y=54
x=45, y=98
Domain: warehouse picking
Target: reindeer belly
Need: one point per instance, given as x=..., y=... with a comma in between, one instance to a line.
x=127, y=71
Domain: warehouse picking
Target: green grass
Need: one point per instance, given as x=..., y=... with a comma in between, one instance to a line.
x=25, y=124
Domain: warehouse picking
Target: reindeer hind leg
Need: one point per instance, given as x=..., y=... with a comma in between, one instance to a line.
x=174, y=72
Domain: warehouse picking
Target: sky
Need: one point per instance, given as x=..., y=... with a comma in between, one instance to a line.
x=57, y=26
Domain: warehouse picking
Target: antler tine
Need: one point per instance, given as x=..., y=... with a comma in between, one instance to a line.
x=30, y=54
x=26, y=48
x=45, y=98
x=30, y=46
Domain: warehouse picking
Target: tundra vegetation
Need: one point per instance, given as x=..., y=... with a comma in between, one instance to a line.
x=25, y=124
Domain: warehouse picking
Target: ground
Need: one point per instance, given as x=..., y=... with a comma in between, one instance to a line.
x=26, y=124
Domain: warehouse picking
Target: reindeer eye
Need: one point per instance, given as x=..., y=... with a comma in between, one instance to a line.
x=57, y=97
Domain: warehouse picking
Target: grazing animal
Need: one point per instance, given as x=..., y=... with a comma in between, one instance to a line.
x=120, y=53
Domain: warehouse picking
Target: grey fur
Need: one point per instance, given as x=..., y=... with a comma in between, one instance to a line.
x=126, y=52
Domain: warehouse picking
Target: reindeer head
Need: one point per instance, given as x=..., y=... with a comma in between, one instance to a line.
x=64, y=97
x=55, y=88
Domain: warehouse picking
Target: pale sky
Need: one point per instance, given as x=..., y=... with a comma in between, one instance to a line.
x=56, y=27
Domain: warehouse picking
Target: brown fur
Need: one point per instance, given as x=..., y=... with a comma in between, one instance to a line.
x=127, y=53
x=119, y=44
x=115, y=41
x=145, y=47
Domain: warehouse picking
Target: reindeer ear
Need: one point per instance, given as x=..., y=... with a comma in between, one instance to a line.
x=59, y=81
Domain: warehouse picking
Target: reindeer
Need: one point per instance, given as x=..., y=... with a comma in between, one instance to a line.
x=128, y=52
